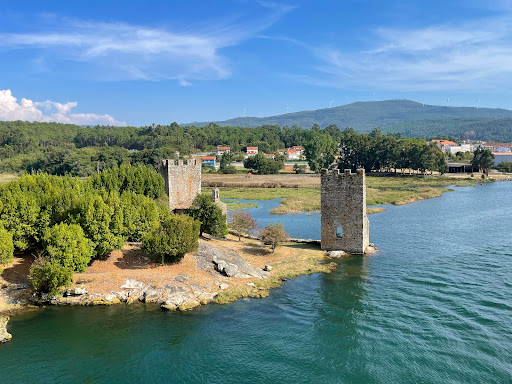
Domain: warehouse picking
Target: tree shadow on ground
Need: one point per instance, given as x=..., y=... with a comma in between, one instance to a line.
x=256, y=250
x=135, y=259
x=17, y=272
x=302, y=246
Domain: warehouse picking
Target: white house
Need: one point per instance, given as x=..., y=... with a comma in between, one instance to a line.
x=251, y=151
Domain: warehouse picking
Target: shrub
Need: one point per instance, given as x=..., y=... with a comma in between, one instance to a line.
x=273, y=234
x=6, y=246
x=47, y=275
x=174, y=236
x=68, y=245
x=209, y=215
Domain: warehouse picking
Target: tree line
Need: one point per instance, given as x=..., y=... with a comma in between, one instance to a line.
x=61, y=149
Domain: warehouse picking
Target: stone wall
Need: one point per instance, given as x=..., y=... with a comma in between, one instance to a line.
x=182, y=182
x=343, y=207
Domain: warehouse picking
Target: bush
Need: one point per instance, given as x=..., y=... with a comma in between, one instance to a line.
x=273, y=234
x=141, y=180
x=209, y=215
x=47, y=275
x=174, y=236
x=6, y=246
x=68, y=245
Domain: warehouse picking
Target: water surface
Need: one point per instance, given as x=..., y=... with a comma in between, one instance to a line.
x=433, y=306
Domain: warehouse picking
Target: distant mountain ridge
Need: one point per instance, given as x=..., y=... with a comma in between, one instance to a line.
x=365, y=116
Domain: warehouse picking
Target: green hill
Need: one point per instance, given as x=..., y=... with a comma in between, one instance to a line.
x=364, y=116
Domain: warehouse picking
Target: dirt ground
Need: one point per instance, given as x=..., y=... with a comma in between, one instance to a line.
x=131, y=262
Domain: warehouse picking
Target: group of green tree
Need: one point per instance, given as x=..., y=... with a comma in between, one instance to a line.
x=68, y=222
x=378, y=152
x=61, y=149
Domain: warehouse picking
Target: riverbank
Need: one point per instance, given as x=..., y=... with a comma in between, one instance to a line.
x=221, y=271
x=301, y=193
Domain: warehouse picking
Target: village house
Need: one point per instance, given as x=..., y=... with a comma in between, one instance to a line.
x=252, y=151
x=291, y=154
x=299, y=149
x=453, y=149
x=269, y=155
x=222, y=150
x=443, y=143
x=208, y=161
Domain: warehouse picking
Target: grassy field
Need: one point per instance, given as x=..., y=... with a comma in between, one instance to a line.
x=302, y=193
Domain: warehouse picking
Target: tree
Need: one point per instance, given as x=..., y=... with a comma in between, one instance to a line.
x=174, y=236
x=273, y=234
x=320, y=151
x=483, y=159
x=299, y=168
x=210, y=216
x=48, y=275
x=242, y=223
x=68, y=245
x=6, y=246
x=259, y=163
x=225, y=163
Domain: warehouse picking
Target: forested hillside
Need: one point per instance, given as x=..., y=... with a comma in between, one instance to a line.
x=364, y=116
x=497, y=130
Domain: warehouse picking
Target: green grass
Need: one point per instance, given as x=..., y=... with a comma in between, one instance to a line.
x=380, y=190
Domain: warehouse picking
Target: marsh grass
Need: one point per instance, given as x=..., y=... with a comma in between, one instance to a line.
x=380, y=190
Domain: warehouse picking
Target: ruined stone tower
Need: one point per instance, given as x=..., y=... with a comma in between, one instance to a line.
x=344, y=221
x=182, y=182
x=216, y=199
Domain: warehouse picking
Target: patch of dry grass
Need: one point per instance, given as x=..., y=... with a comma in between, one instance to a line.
x=288, y=261
x=6, y=177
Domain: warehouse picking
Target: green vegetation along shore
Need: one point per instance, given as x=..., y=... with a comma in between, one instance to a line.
x=380, y=190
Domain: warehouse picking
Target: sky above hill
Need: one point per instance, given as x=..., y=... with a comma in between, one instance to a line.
x=138, y=63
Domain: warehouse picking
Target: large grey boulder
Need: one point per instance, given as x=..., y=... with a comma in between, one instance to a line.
x=220, y=261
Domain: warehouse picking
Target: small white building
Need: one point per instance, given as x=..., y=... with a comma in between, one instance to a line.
x=453, y=149
x=252, y=151
x=291, y=154
x=222, y=150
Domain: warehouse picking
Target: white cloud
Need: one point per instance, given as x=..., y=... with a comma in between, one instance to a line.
x=120, y=51
x=47, y=111
x=475, y=55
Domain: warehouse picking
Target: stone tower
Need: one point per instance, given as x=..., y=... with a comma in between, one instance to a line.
x=344, y=221
x=182, y=182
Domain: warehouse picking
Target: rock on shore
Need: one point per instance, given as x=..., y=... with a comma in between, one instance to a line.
x=4, y=335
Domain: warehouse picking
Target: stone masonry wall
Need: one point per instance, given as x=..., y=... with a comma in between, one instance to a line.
x=343, y=204
x=182, y=182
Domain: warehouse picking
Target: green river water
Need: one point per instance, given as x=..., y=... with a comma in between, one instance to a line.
x=434, y=305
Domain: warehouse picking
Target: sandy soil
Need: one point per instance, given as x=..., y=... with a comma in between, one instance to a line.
x=131, y=262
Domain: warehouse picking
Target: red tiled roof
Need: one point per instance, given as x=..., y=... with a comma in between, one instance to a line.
x=252, y=148
x=269, y=154
x=223, y=148
x=208, y=158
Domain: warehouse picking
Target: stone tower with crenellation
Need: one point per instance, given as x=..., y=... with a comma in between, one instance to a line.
x=344, y=220
x=182, y=182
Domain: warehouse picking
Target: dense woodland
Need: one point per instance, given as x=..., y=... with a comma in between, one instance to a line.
x=62, y=149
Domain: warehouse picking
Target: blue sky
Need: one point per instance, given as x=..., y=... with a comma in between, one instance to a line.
x=138, y=63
